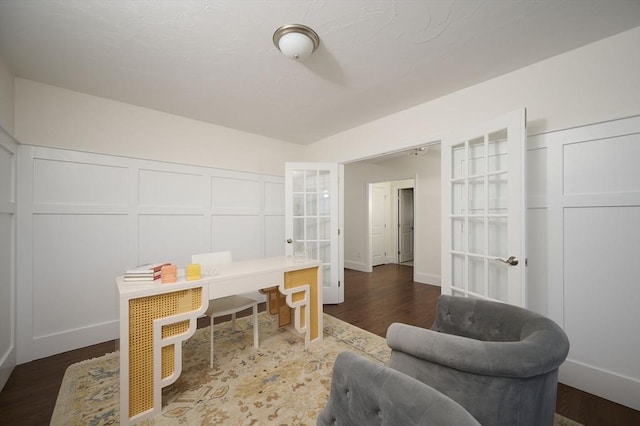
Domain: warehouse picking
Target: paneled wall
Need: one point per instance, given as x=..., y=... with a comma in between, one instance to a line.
x=8, y=209
x=84, y=218
x=592, y=241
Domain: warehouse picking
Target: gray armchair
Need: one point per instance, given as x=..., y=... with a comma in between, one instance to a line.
x=498, y=361
x=366, y=393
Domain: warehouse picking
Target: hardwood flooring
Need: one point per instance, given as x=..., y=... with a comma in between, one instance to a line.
x=372, y=301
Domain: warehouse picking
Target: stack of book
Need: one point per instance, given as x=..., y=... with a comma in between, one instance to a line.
x=144, y=273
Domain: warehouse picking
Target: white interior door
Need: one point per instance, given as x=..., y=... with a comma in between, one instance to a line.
x=378, y=232
x=483, y=217
x=405, y=224
x=312, y=221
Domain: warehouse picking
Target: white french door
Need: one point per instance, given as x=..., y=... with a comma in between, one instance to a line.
x=378, y=223
x=312, y=221
x=483, y=211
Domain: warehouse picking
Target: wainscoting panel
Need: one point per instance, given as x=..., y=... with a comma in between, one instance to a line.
x=85, y=218
x=601, y=269
x=273, y=236
x=72, y=183
x=235, y=196
x=274, y=198
x=593, y=240
x=71, y=255
x=239, y=234
x=159, y=188
x=170, y=238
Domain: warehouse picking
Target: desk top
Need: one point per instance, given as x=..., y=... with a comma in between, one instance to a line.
x=233, y=270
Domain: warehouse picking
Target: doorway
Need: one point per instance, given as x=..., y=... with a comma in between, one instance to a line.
x=405, y=226
x=391, y=222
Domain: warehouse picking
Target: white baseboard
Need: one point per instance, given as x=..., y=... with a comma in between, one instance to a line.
x=7, y=365
x=44, y=346
x=425, y=278
x=357, y=266
x=605, y=384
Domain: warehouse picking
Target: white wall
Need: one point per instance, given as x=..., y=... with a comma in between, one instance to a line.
x=54, y=117
x=85, y=218
x=6, y=97
x=595, y=83
x=426, y=170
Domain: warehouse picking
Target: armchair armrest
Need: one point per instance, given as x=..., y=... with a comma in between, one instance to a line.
x=534, y=355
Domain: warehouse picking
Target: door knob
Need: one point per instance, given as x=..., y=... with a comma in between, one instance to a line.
x=289, y=240
x=511, y=260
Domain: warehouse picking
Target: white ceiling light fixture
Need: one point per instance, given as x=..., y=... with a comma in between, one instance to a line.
x=296, y=41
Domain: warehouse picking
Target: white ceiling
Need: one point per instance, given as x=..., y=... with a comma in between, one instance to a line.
x=214, y=60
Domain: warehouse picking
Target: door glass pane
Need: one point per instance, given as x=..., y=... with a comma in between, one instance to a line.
x=457, y=270
x=298, y=204
x=476, y=274
x=458, y=205
x=324, y=232
x=298, y=180
x=298, y=228
x=498, y=237
x=457, y=229
x=476, y=157
x=324, y=203
x=497, y=151
x=476, y=196
x=476, y=235
x=498, y=280
x=299, y=249
x=458, y=161
x=312, y=228
x=326, y=275
x=312, y=204
x=311, y=184
x=498, y=193
x=324, y=181
x=324, y=254
x=312, y=250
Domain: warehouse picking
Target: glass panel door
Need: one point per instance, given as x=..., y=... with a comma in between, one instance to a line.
x=312, y=221
x=483, y=211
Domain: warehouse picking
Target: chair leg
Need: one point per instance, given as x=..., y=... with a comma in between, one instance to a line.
x=256, y=343
x=233, y=321
x=211, y=353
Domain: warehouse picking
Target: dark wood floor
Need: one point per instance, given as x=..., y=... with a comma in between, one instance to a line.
x=372, y=302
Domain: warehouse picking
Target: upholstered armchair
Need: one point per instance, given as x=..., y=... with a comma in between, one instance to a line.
x=367, y=393
x=498, y=361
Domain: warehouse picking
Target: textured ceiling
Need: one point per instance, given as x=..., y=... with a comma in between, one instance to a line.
x=214, y=60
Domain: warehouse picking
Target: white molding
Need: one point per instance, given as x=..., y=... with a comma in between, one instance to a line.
x=605, y=384
x=357, y=266
x=425, y=278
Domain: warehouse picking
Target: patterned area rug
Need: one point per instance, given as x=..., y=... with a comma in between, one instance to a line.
x=280, y=383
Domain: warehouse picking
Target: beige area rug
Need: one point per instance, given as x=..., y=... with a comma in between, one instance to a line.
x=282, y=383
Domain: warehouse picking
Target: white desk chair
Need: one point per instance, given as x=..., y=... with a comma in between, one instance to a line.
x=229, y=305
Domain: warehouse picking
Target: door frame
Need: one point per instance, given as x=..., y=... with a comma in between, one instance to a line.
x=395, y=184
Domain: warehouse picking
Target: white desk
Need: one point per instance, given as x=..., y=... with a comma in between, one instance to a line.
x=156, y=318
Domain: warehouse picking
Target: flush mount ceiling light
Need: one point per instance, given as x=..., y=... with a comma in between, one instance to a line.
x=296, y=41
